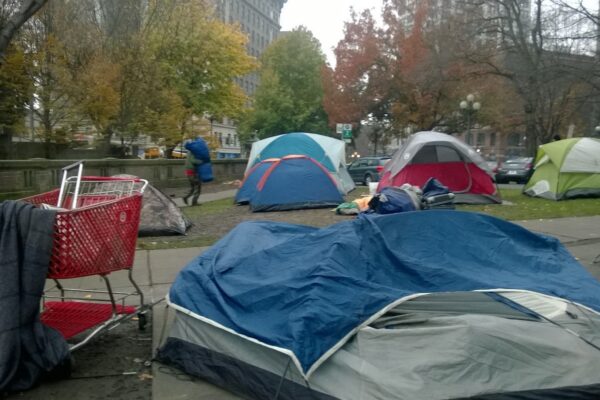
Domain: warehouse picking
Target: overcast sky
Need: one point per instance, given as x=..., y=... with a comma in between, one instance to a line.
x=324, y=18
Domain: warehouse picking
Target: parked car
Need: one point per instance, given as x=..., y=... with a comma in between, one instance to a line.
x=493, y=165
x=179, y=152
x=515, y=170
x=152, y=152
x=367, y=169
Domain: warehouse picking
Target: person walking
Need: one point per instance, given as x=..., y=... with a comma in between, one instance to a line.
x=191, y=164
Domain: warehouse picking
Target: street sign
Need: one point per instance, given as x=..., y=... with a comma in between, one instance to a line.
x=346, y=131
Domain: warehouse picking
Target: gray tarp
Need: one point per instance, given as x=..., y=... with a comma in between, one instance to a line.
x=160, y=216
x=28, y=349
x=442, y=346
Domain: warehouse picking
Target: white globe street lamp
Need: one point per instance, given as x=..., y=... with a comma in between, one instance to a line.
x=469, y=106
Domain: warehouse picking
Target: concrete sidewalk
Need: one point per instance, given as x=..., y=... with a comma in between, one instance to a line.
x=206, y=197
x=567, y=230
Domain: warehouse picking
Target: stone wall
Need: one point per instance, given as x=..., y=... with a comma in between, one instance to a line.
x=20, y=178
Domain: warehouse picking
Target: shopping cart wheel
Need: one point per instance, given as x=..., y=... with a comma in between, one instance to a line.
x=142, y=321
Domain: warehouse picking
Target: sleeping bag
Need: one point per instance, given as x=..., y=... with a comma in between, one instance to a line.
x=204, y=172
x=199, y=149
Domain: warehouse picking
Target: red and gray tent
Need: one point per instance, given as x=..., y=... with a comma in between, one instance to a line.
x=437, y=155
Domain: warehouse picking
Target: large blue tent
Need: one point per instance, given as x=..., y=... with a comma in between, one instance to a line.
x=290, y=183
x=327, y=151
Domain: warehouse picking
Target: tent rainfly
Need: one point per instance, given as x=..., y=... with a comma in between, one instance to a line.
x=566, y=169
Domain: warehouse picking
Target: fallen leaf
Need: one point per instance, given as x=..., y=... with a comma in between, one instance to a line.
x=144, y=376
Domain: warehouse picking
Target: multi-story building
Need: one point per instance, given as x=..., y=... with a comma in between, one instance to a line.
x=438, y=11
x=259, y=19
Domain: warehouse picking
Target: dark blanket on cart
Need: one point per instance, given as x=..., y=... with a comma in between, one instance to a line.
x=29, y=350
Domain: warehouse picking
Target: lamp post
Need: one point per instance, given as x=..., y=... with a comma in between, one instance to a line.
x=469, y=107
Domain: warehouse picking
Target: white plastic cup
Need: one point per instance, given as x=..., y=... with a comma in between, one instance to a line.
x=373, y=188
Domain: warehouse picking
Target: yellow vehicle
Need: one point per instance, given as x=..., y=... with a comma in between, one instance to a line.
x=152, y=152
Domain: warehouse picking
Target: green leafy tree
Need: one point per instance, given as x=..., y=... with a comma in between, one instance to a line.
x=47, y=69
x=290, y=95
x=15, y=89
x=172, y=62
x=199, y=57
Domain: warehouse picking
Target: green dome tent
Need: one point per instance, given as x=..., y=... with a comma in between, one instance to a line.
x=565, y=169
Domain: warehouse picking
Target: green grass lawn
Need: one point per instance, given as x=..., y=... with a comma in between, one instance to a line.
x=156, y=243
x=211, y=207
x=519, y=207
x=525, y=207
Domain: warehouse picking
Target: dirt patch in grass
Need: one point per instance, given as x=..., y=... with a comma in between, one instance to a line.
x=215, y=219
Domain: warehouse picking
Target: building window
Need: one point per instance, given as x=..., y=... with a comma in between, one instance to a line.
x=493, y=139
x=514, y=139
x=480, y=139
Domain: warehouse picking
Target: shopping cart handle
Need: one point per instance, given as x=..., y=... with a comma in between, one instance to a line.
x=109, y=178
x=144, y=182
x=75, y=164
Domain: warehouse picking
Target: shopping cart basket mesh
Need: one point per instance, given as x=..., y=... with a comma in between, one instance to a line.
x=71, y=318
x=94, y=240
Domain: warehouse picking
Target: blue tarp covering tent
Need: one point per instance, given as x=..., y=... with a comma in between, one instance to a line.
x=290, y=183
x=305, y=291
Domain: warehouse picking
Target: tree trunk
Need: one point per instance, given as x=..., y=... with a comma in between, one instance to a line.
x=28, y=8
x=47, y=133
x=5, y=142
x=530, y=132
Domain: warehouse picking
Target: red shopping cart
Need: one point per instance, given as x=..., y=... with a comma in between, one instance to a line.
x=95, y=233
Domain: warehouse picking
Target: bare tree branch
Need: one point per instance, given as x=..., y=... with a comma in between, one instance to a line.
x=27, y=10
